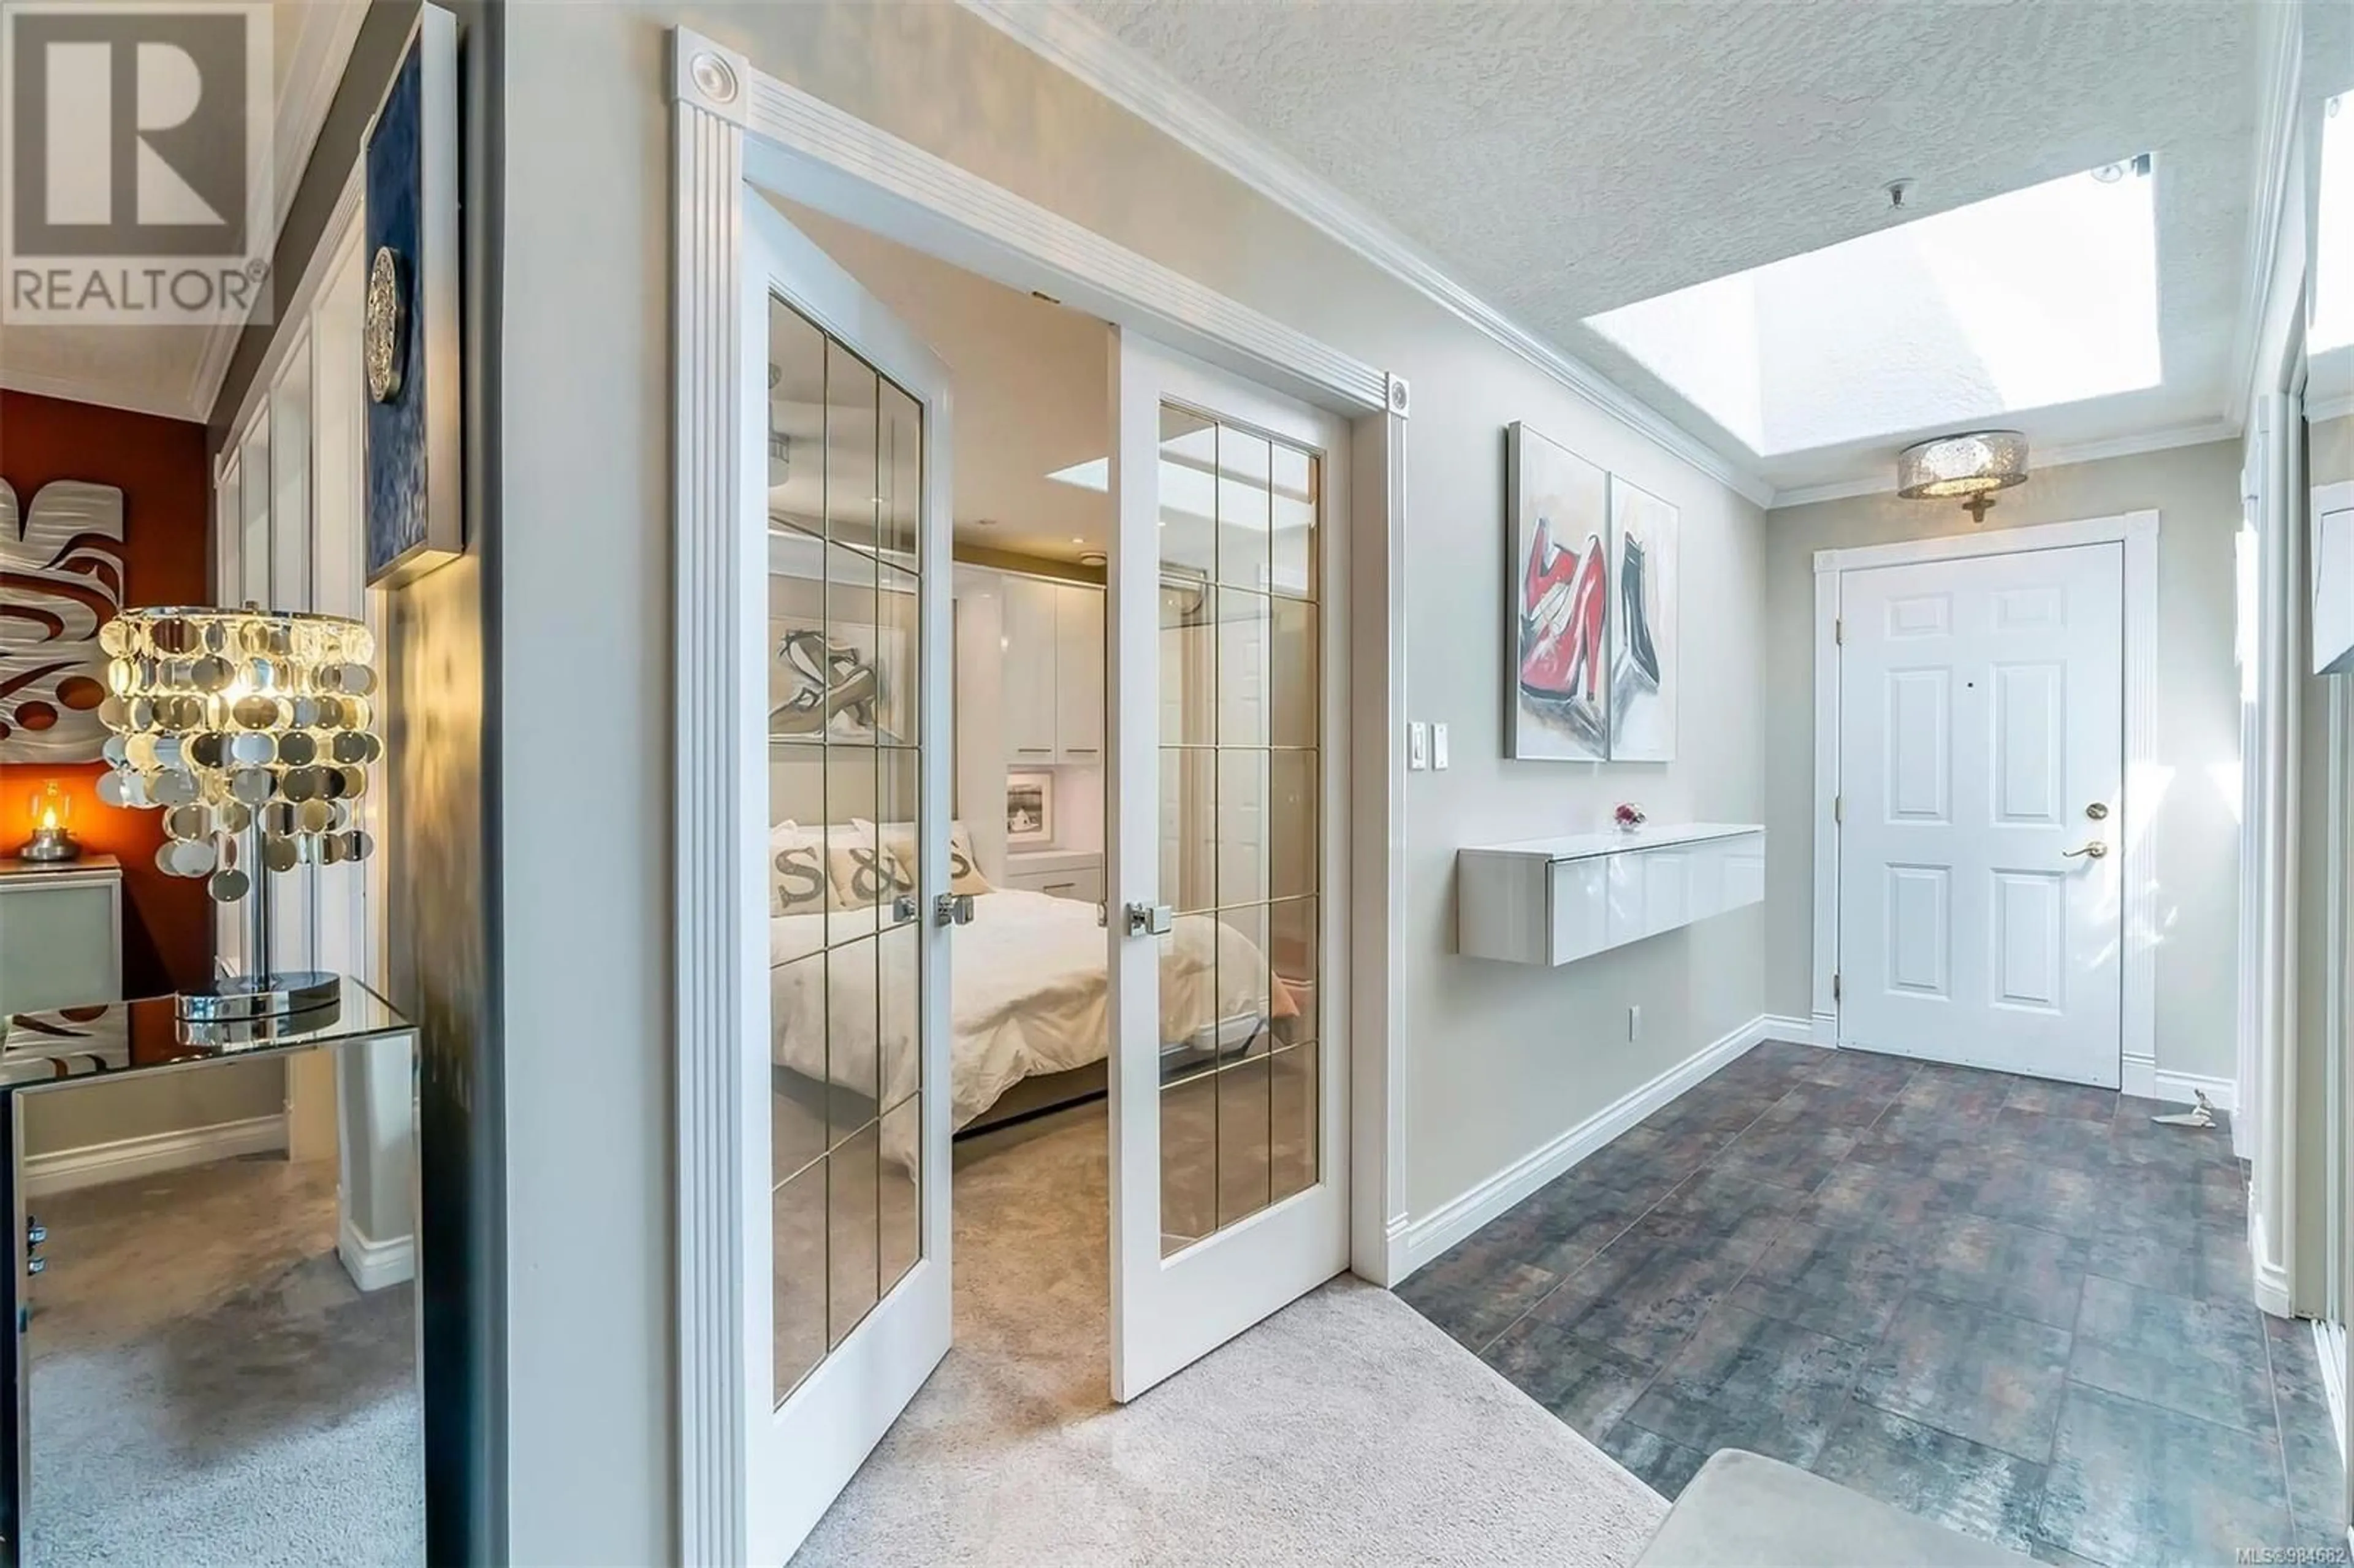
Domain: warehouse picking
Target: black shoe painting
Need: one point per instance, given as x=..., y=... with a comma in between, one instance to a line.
x=1636, y=626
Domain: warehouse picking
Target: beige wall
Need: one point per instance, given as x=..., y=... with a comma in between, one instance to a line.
x=1502, y=1060
x=2196, y=490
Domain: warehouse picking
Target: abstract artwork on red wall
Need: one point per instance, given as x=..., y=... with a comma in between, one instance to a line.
x=62, y=570
x=155, y=553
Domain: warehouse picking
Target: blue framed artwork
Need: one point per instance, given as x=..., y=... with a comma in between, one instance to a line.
x=410, y=343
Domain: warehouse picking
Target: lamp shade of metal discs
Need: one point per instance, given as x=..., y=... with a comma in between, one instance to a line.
x=250, y=731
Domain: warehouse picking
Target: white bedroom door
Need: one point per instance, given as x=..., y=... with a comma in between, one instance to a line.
x=843, y=611
x=1227, y=904
x=1981, y=772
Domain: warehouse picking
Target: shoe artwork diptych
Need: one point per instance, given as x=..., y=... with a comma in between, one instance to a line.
x=1594, y=611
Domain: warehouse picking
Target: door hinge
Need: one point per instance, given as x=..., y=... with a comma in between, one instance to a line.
x=1838, y=631
x=1835, y=987
x=1838, y=807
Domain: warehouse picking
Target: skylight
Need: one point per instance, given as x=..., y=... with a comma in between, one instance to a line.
x=2042, y=296
x=2333, y=247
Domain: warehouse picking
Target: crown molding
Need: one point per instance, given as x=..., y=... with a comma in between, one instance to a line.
x=2330, y=408
x=1077, y=46
x=2276, y=114
x=2043, y=457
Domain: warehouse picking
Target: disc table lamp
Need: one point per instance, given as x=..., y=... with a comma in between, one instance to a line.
x=249, y=730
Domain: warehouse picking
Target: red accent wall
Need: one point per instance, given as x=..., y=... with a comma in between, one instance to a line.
x=159, y=465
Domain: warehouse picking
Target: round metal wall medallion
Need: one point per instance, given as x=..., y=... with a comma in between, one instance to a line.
x=387, y=327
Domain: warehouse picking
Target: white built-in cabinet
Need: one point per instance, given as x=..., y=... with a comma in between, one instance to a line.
x=1079, y=673
x=1555, y=901
x=1029, y=682
x=1053, y=682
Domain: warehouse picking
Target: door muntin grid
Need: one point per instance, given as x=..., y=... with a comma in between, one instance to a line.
x=842, y=646
x=1240, y=827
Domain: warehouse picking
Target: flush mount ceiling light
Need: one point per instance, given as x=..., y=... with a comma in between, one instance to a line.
x=1972, y=465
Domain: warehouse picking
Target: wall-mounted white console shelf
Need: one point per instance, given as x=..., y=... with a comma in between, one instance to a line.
x=1551, y=901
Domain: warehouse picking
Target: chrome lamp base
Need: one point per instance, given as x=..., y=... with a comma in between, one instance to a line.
x=245, y=999
x=50, y=846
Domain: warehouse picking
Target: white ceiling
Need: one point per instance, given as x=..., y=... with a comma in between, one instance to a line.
x=176, y=371
x=1029, y=389
x=1562, y=160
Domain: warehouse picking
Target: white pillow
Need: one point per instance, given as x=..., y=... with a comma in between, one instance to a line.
x=900, y=839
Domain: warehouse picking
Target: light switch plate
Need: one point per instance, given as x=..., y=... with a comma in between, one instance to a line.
x=1438, y=746
x=1418, y=745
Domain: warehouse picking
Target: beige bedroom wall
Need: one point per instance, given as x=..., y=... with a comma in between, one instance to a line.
x=1502, y=1060
x=2196, y=490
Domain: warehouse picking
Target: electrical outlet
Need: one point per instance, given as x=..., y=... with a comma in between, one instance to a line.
x=1634, y=1023
x=1438, y=746
x=1418, y=745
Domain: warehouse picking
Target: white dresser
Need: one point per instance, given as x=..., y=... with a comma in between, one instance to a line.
x=1553, y=901
x=1058, y=874
x=60, y=933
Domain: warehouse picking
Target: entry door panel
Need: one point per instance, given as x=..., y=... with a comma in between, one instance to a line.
x=1981, y=770
x=1229, y=1071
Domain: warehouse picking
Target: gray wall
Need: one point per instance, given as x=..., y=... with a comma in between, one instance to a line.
x=1501, y=1060
x=2197, y=491
x=2329, y=459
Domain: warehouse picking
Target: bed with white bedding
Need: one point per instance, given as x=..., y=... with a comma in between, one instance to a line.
x=1028, y=997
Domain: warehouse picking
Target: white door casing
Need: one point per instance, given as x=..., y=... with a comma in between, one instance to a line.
x=735, y=126
x=1175, y=1299
x=1981, y=774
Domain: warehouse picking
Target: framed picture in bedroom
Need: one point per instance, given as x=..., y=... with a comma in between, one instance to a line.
x=1643, y=590
x=1029, y=810
x=1561, y=599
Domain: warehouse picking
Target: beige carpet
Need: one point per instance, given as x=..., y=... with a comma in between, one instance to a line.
x=1344, y=1430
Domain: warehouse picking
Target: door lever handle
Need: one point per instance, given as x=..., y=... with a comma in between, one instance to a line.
x=2096, y=850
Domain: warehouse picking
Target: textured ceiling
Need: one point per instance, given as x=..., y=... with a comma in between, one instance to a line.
x=1564, y=159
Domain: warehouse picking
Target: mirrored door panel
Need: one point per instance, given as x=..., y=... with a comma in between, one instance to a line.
x=1240, y=728
x=843, y=646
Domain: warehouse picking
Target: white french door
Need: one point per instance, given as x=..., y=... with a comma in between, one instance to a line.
x=1981, y=774
x=841, y=608
x=1226, y=872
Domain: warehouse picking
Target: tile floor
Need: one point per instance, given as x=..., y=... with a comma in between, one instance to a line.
x=2014, y=1306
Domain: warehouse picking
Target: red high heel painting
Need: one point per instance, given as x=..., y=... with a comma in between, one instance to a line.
x=1564, y=595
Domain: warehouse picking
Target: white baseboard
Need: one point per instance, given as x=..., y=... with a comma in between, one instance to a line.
x=1797, y=1031
x=373, y=1263
x=2330, y=1345
x=1427, y=1238
x=2177, y=1088
x=95, y=1164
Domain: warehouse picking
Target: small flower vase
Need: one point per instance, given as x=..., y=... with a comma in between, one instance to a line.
x=1628, y=817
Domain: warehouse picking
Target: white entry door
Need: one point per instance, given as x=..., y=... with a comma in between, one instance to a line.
x=1981, y=772
x=1227, y=904
x=843, y=609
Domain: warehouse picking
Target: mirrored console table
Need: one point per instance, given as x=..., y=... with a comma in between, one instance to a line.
x=217, y=1353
